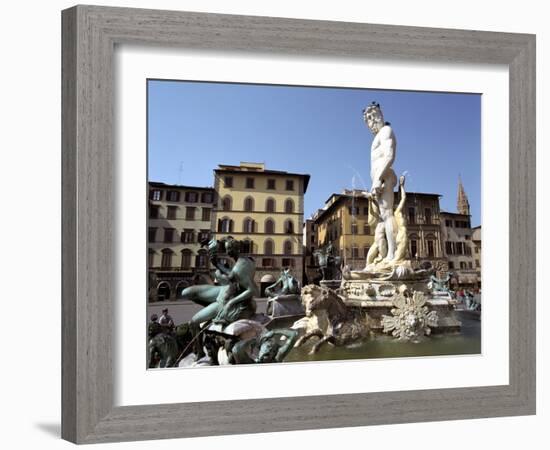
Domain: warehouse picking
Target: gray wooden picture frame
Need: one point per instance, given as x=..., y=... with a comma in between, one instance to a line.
x=90, y=34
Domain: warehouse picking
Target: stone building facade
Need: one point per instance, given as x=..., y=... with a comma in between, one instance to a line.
x=457, y=240
x=179, y=218
x=311, y=268
x=265, y=210
x=476, y=245
x=344, y=223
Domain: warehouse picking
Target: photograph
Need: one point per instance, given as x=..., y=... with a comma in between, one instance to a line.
x=308, y=223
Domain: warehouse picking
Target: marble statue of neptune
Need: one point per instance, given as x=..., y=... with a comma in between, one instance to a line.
x=383, y=177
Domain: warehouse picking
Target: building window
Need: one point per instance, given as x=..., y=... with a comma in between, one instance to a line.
x=191, y=197
x=152, y=234
x=168, y=235
x=449, y=248
x=247, y=247
x=287, y=248
x=463, y=265
x=225, y=225
x=459, y=247
x=206, y=214
x=249, y=204
x=289, y=227
x=467, y=237
x=154, y=211
x=270, y=205
x=156, y=195
x=289, y=185
x=354, y=228
x=187, y=236
x=248, y=225
x=228, y=182
x=355, y=252
x=190, y=213
x=477, y=263
x=226, y=203
x=451, y=265
x=269, y=226
x=268, y=262
x=268, y=247
x=150, y=258
x=166, y=261
x=207, y=197
x=476, y=249
x=250, y=183
x=470, y=265
x=366, y=228
x=431, y=248
x=202, y=259
x=172, y=196
x=467, y=250
x=271, y=184
x=412, y=215
x=354, y=210
x=366, y=211
x=289, y=206
x=365, y=251
x=186, y=258
x=428, y=215
x=288, y=262
x=448, y=223
x=414, y=248
x=171, y=212
x=204, y=235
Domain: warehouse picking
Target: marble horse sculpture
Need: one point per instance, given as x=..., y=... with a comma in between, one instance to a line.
x=337, y=324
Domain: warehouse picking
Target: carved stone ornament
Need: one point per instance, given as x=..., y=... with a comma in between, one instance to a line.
x=411, y=319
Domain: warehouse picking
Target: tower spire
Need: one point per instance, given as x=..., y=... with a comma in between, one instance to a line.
x=462, y=204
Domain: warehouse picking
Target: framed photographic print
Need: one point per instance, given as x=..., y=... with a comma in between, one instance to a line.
x=296, y=208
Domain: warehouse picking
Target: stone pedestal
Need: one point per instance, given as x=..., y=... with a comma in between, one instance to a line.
x=374, y=297
x=447, y=319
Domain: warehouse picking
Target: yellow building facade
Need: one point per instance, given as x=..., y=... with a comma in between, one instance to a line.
x=264, y=209
x=344, y=223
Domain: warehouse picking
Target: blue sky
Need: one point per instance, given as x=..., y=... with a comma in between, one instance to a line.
x=193, y=127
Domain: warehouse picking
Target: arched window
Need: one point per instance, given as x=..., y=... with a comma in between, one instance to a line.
x=163, y=291
x=226, y=203
x=287, y=248
x=249, y=204
x=269, y=226
x=268, y=247
x=225, y=225
x=289, y=206
x=247, y=247
x=248, y=225
x=289, y=226
x=202, y=259
x=166, y=258
x=413, y=246
x=186, y=258
x=430, y=245
x=270, y=205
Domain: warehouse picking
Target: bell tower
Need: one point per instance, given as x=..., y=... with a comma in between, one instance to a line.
x=462, y=204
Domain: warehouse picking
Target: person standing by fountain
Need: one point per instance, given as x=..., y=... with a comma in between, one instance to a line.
x=383, y=177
